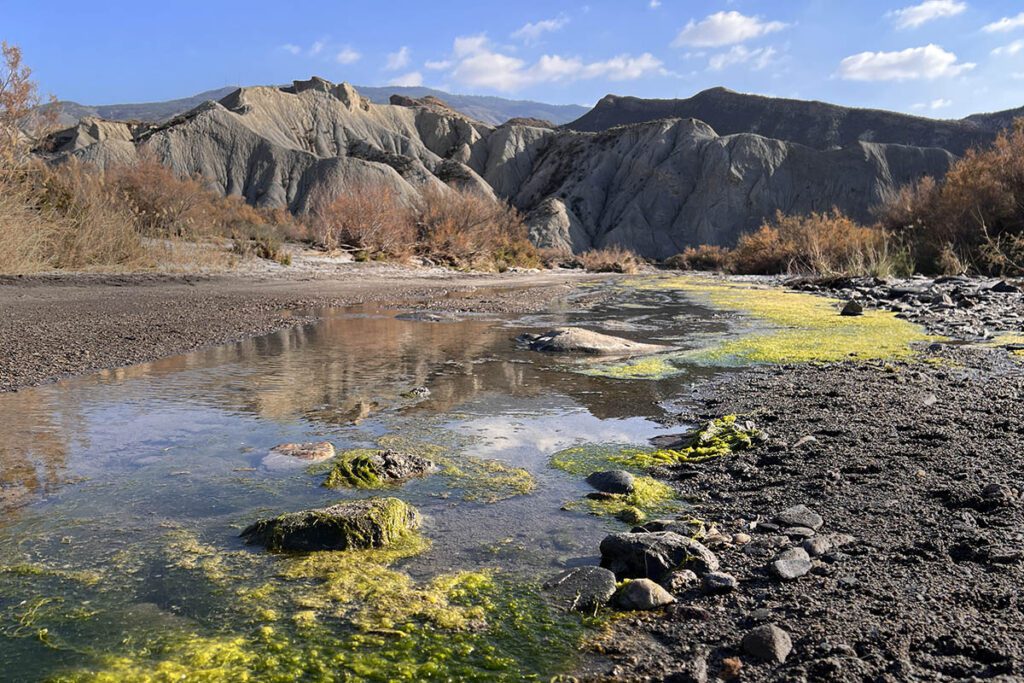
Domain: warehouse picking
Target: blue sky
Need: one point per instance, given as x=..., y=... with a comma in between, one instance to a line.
x=942, y=58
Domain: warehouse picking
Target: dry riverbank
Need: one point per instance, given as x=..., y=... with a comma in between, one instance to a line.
x=55, y=326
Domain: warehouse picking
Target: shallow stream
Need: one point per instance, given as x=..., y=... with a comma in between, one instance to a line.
x=123, y=494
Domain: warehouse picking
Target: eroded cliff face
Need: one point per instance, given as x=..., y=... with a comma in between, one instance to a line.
x=655, y=187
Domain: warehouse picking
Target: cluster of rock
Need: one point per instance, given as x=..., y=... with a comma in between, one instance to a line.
x=655, y=187
x=962, y=307
x=662, y=563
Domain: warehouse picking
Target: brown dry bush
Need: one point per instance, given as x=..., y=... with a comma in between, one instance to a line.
x=613, y=259
x=819, y=243
x=370, y=220
x=466, y=229
x=704, y=257
x=974, y=217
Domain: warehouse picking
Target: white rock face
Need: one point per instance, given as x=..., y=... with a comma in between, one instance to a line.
x=654, y=187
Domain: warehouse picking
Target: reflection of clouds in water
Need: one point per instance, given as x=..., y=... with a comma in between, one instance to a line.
x=529, y=441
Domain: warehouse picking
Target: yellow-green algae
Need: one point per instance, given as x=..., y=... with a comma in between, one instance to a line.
x=324, y=616
x=802, y=327
x=714, y=439
x=648, y=368
x=1009, y=339
x=479, y=479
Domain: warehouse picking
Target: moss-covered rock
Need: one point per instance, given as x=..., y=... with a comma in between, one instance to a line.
x=368, y=469
x=372, y=523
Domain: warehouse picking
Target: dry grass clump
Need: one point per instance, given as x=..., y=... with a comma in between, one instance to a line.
x=614, y=259
x=704, y=257
x=818, y=243
x=974, y=218
x=466, y=229
x=370, y=220
x=457, y=228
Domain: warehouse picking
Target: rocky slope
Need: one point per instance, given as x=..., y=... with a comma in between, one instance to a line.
x=655, y=187
x=815, y=124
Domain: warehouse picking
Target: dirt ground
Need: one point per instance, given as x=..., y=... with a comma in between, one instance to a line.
x=54, y=326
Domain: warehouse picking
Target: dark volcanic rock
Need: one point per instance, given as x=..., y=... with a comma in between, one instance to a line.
x=612, y=481
x=769, y=643
x=653, y=555
x=583, y=589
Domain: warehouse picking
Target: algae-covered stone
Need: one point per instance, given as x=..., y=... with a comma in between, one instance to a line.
x=375, y=469
x=576, y=340
x=372, y=523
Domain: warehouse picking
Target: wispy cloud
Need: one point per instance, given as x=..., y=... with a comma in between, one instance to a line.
x=347, y=55
x=291, y=49
x=411, y=79
x=939, y=103
x=759, y=58
x=1014, y=48
x=929, y=10
x=439, y=65
x=398, y=60
x=1005, y=24
x=928, y=62
x=531, y=33
x=724, y=28
x=480, y=65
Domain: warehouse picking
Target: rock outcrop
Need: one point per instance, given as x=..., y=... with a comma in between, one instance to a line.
x=654, y=187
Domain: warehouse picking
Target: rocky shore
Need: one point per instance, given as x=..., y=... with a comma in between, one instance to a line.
x=877, y=534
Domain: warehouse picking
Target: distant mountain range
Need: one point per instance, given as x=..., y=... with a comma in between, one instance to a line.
x=815, y=124
x=492, y=110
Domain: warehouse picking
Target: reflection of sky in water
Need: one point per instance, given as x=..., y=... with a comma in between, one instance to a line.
x=107, y=463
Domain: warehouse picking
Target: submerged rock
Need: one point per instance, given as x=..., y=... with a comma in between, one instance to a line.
x=643, y=594
x=372, y=523
x=653, y=555
x=377, y=469
x=583, y=589
x=577, y=340
x=298, y=454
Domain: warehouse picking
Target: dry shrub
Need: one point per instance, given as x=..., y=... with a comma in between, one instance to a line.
x=370, y=220
x=61, y=218
x=819, y=243
x=613, y=259
x=465, y=229
x=974, y=217
x=704, y=257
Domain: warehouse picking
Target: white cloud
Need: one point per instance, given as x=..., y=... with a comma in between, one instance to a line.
x=398, y=60
x=724, y=28
x=317, y=47
x=347, y=56
x=933, y=105
x=654, y=4
x=291, y=48
x=1005, y=24
x=481, y=66
x=929, y=10
x=928, y=62
x=738, y=54
x=439, y=65
x=411, y=79
x=531, y=33
x=1010, y=50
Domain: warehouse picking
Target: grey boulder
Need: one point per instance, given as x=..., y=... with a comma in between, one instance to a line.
x=643, y=594
x=612, y=481
x=577, y=340
x=769, y=643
